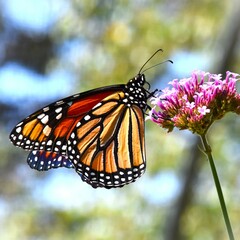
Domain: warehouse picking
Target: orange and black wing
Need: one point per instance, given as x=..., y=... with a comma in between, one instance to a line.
x=49, y=128
x=99, y=132
x=107, y=146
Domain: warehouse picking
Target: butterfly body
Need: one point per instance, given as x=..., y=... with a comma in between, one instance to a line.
x=100, y=133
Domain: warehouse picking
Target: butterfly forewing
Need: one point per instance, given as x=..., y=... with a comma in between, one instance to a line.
x=49, y=128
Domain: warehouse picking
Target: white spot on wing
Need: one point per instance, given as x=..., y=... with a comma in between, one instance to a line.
x=41, y=115
x=20, y=124
x=46, y=109
x=87, y=117
x=47, y=130
x=18, y=130
x=20, y=137
x=58, y=110
x=97, y=105
x=59, y=102
x=45, y=119
x=59, y=116
x=49, y=143
x=142, y=166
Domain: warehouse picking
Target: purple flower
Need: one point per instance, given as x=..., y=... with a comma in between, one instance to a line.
x=195, y=103
x=203, y=110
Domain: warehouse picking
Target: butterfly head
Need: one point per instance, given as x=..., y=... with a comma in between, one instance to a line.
x=135, y=92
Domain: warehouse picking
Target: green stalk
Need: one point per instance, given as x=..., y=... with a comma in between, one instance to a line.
x=208, y=152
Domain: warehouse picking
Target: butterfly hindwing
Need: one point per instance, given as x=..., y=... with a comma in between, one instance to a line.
x=109, y=151
x=43, y=161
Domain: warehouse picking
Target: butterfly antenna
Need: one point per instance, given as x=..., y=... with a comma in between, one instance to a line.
x=157, y=65
x=140, y=71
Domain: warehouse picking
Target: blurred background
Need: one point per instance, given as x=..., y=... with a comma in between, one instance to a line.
x=50, y=49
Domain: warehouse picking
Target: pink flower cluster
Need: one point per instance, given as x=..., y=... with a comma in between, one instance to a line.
x=195, y=103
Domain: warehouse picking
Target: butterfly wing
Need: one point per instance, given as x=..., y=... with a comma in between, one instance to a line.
x=107, y=145
x=43, y=161
x=49, y=128
x=101, y=132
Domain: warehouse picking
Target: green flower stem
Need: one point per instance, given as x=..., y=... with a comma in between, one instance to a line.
x=208, y=152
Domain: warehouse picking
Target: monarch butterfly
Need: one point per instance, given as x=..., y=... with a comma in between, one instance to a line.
x=99, y=133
